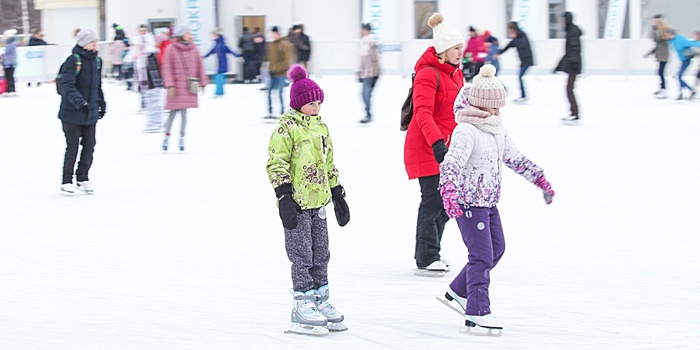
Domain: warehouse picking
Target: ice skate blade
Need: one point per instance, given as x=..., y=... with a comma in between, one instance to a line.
x=448, y=304
x=297, y=328
x=483, y=332
x=336, y=327
x=428, y=273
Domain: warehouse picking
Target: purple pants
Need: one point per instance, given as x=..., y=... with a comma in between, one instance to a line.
x=482, y=233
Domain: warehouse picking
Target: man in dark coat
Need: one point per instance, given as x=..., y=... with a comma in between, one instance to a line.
x=37, y=39
x=522, y=44
x=82, y=104
x=571, y=62
x=302, y=43
x=247, y=45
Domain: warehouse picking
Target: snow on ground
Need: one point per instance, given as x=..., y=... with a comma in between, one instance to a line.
x=185, y=250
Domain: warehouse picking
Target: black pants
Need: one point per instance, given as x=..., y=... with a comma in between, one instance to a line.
x=570, y=93
x=10, y=76
x=249, y=64
x=431, y=221
x=75, y=135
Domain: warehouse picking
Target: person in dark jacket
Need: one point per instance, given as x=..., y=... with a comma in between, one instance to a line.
x=302, y=43
x=571, y=62
x=82, y=104
x=221, y=50
x=247, y=45
x=522, y=44
x=37, y=39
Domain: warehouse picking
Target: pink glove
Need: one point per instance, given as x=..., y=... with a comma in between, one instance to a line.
x=449, y=200
x=546, y=187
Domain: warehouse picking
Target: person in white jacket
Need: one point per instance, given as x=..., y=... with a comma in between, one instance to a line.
x=470, y=185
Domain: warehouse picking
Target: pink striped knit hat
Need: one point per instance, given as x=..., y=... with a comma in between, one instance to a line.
x=486, y=89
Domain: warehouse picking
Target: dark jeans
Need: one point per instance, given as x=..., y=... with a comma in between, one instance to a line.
x=78, y=135
x=662, y=69
x=10, y=76
x=249, y=65
x=367, y=88
x=520, y=78
x=117, y=68
x=570, y=93
x=684, y=65
x=431, y=222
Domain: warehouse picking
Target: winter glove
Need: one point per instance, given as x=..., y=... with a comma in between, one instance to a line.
x=342, y=212
x=85, y=108
x=439, y=150
x=287, y=206
x=102, y=110
x=546, y=188
x=449, y=200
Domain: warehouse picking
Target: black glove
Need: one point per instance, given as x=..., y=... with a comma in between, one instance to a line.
x=85, y=108
x=287, y=206
x=439, y=150
x=342, y=212
x=102, y=110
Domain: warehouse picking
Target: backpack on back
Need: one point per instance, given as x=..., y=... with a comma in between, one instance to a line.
x=407, y=108
x=78, y=68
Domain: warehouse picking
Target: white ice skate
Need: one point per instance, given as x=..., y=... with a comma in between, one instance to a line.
x=306, y=319
x=86, y=187
x=486, y=325
x=68, y=189
x=571, y=120
x=450, y=295
x=661, y=94
x=520, y=100
x=436, y=269
x=334, y=316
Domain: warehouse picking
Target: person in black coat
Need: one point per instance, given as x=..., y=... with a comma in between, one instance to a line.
x=37, y=39
x=302, y=43
x=522, y=44
x=571, y=62
x=82, y=104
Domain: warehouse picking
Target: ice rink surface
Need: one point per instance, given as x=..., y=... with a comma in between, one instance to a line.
x=185, y=250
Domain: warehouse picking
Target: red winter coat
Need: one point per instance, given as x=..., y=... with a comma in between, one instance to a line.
x=433, y=115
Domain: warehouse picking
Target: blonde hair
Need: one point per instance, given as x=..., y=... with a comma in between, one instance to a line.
x=662, y=26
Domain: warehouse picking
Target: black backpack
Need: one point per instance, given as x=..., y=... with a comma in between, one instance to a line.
x=407, y=108
x=78, y=68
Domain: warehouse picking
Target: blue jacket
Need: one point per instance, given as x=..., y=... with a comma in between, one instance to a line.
x=85, y=87
x=221, y=49
x=10, y=57
x=680, y=43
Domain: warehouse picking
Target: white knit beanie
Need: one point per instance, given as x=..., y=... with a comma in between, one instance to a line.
x=180, y=30
x=444, y=34
x=487, y=90
x=10, y=33
x=84, y=37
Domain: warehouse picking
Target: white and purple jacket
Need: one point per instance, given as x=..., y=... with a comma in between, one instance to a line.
x=474, y=161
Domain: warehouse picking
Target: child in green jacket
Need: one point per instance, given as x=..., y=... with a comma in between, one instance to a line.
x=302, y=171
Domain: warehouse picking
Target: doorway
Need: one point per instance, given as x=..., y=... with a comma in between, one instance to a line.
x=255, y=24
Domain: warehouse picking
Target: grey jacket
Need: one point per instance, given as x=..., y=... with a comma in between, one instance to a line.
x=10, y=57
x=661, y=49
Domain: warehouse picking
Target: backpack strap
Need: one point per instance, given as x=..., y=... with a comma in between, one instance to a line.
x=99, y=63
x=78, y=64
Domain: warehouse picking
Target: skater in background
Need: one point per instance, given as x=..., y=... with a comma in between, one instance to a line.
x=522, y=44
x=684, y=49
x=279, y=58
x=437, y=82
x=183, y=77
x=302, y=43
x=118, y=52
x=82, y=105
x=221, y=50
x=369, y=69
x=247, y=46
x=571, y=63
x=492, y=51
x=470, y=185
x=474, y=54
x=9, y=60
x=37, y=39
x=697, y=75
x=259, y=44
x=301, y=169
x=147, y=74
x=660, y=51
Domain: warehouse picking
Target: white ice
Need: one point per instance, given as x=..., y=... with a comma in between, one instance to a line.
x=186, y=251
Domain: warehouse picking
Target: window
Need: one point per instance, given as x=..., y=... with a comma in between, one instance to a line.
x=556, y=9
x=423, y=10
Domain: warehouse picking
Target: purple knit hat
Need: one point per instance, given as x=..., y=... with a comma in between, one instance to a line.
x=303, y=90
x=486, y=89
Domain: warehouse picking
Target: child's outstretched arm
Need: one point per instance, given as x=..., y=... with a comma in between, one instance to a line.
x=517, y=162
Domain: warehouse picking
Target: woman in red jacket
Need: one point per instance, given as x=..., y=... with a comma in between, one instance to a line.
x=438, y=80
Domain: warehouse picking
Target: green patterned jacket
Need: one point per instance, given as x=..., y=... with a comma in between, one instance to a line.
x=301, y=153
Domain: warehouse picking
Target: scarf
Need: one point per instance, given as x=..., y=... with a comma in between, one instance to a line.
x=482, y=120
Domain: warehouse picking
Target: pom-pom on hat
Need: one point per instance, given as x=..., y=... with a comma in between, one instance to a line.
x=487, y=90
x=444, y=34
x=303, y=90
x=84, y=37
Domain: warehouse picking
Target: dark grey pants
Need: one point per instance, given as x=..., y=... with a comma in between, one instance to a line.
x=307, y=249
x=431, y=221
x=78, y=135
